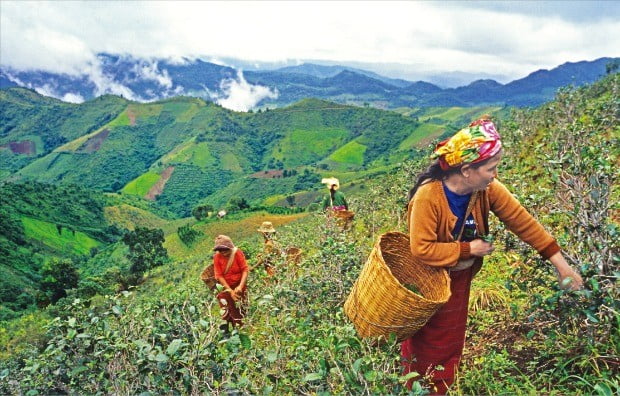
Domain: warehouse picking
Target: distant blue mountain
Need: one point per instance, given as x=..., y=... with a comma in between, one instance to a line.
x=152, y=79
x=323, y=71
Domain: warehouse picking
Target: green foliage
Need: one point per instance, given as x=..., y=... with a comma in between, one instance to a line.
x=59, y=238
x=187, y=234
x=142, y=184
x=350, y=153
x=201, y=212
x=237, y=203
x=146, y=249
x=307, y=180
x=57, y=276
x=40, y=221
x=188, y=185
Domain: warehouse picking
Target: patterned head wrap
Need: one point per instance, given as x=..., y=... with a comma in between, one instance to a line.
x=477, y=142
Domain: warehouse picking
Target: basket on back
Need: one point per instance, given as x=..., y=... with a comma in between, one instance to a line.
x=344, y=218
x=208, y=276
x=379, y=304
x=293, y=255
x=343, y=214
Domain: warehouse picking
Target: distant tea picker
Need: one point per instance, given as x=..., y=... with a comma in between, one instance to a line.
x=231, y=271
x=270, y=249
x=335, y=203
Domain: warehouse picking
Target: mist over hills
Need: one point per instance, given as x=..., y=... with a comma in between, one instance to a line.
x=146, y=80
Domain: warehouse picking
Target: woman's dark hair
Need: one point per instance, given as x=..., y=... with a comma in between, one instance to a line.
x=332, y=193
x=434, y=172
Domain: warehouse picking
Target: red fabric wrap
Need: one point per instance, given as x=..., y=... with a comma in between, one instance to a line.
x=441, y=340
x=234, y=311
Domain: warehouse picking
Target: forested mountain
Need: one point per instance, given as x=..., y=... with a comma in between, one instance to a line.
x=183, y=151
x=155, y=79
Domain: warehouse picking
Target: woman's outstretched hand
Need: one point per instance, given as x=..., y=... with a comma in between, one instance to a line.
x=567, y=276
x=480, y=248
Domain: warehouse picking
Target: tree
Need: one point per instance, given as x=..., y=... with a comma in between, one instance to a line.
x=57, y=277
x=187, y=234
x=612, y=67
x=238, y=203
x=146, y=249
x=290, y=199
x=202, y=211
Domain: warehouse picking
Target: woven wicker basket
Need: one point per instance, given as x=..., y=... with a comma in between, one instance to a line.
x=379, y=304
x=343, y=214
x=208, y=276
x=293, y=255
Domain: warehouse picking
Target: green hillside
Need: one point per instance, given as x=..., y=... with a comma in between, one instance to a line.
x=120, y=146
x=141, y=185
x=42, y=222
x=34, y=125
x=58, y=238
x=351, y=153
x=526, y=336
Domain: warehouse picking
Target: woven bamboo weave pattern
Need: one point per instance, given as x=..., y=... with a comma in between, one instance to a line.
x=379, y=304
x=208, y=276
x=293, y=255
x=343, y=214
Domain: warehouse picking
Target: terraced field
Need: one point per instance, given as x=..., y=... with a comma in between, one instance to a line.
x=57, y=237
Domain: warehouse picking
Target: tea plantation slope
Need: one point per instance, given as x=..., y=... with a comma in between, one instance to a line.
x=561, y=163
x=163, y=336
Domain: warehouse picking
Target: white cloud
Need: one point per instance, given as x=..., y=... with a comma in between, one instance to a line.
x=149, y=71
x=106, y=84
x=239, y=95
x=72, y=98
x=512, y=38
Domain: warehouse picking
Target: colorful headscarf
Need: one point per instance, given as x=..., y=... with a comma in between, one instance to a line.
x=477, y=142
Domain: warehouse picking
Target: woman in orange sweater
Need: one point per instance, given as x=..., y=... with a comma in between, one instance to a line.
x=231, y=271
x=448, y=219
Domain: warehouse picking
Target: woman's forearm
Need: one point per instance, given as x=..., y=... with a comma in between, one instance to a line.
x=223, y=282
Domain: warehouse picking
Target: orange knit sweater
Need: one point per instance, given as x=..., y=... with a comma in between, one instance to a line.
x=431, y=222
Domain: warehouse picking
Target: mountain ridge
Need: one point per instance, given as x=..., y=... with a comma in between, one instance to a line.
x=154, y=79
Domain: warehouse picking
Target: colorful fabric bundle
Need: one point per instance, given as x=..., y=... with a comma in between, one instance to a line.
x=479, y=141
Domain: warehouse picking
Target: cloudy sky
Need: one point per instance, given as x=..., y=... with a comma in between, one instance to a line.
x=407, y=39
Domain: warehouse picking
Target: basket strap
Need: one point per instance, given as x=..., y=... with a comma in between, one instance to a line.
x=231, y=258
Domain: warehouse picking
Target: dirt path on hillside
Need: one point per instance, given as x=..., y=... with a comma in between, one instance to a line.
x=132, y=117
x=94, y=143
x=270, y=174
x=158, y=187
x=26, y=147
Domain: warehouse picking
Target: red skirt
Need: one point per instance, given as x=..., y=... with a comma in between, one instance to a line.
x=233, y=311
x=441, y=340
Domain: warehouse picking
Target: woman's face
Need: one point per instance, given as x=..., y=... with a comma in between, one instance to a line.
x=480, y=177
x=224, y=252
